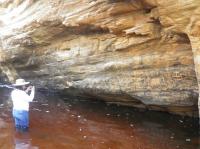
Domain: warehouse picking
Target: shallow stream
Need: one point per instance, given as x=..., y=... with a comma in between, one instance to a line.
x=58, y=123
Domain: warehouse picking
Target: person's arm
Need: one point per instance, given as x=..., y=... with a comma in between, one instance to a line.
x=12, y=95
x=32, y=93
x=31, y=96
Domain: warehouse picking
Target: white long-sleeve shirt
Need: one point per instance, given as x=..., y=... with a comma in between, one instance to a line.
x=21, y=99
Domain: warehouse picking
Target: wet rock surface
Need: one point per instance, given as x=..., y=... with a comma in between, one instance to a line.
x=141, y=53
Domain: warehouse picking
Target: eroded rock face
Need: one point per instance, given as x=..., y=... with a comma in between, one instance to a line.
x=141, y=53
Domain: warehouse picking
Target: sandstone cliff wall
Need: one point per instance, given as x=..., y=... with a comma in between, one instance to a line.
x=141, y=53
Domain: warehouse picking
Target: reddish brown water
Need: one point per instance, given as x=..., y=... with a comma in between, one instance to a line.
x=55, y=124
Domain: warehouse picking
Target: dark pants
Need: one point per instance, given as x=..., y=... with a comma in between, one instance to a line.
x=21, y=119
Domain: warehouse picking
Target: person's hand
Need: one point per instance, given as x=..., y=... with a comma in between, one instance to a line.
x=29, y=88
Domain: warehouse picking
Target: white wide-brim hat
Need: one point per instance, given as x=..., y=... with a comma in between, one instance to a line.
x=20, y=82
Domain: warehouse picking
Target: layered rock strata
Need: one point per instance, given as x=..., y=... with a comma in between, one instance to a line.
x=141, y=53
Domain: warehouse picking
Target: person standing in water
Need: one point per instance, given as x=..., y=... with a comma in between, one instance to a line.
x=21, y=98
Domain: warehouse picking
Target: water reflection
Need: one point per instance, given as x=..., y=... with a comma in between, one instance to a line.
x=55, y=124
x=22, y=140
